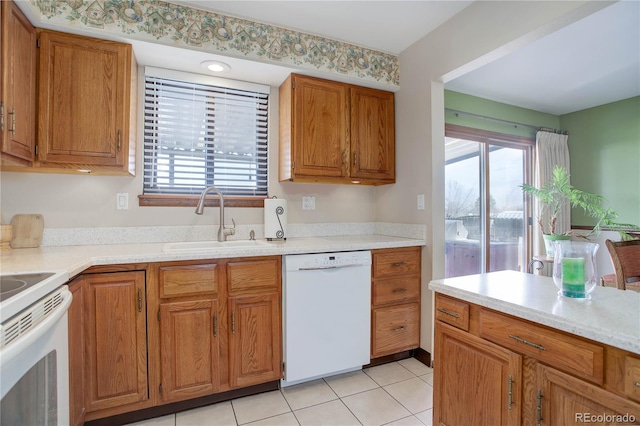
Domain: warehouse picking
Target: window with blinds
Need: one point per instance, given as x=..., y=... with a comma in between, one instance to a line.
x=198, y=135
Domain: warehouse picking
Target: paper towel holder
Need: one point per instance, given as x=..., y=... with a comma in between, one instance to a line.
x=280, y=233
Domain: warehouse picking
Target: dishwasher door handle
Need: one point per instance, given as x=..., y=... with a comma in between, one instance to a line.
x=320, y=268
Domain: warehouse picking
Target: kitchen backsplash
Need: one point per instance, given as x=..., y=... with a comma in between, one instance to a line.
x=162, y=234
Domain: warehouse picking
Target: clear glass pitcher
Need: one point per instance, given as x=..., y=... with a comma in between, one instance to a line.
x=574, y=268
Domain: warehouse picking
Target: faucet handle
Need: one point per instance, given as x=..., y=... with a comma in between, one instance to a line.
x=230, y=230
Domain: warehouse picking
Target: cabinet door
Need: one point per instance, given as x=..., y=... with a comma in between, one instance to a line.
x=115, y=327
x=475, y=382
x=255, y=354
x=18, y=86
x=320, y=127
x=564, y=400
x=83, y=101
x=372, y=134
x=189, y=349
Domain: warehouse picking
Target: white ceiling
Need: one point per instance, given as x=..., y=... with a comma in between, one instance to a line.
x=588, y=63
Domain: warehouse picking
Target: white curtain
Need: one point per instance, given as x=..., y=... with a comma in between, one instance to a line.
x=552, y=150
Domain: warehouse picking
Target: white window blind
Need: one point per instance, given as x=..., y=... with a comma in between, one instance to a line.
x=198, y=135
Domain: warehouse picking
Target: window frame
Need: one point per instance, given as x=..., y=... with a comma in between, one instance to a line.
x=486, y=138
x=191, y=200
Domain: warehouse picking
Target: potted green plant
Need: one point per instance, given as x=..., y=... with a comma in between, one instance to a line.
x=557, y=193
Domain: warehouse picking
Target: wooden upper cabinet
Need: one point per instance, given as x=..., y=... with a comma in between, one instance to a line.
x=373, y=154
x=18, y=98
x=332, y=132
x=86, y=107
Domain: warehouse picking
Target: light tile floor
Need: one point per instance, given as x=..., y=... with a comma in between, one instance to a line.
x=399, y=393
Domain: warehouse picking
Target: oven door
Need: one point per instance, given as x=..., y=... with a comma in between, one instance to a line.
x=34, y=364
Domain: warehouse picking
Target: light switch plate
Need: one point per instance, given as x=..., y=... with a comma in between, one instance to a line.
x=308, y=202
x=122, y=201
x=420, y=201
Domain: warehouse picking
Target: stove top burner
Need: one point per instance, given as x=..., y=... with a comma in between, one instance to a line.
x=10, y=285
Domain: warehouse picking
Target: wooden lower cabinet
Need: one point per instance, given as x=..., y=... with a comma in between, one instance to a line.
x=564, y=400
x=189, y=348
x=493, y=368
x=219, y=325
x=254, y=343
x=476, y=381
x=395, y=300
x=115, y=341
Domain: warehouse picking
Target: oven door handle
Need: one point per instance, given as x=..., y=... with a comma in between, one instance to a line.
x=23, y=342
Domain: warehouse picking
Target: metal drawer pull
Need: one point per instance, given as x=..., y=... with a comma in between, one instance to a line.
x=510, y=391
x=399, y=290
x=636, y=384
x=233, y=323
x=397, y=264
x=526, y=342
x=215, y=325
x=139, y=300
x=13, y=121
x=451, y=314
x=395, y=330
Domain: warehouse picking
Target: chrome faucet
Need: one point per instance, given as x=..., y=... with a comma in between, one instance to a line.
x=223, y=231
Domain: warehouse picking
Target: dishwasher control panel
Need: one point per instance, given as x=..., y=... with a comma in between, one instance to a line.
x=326, y=260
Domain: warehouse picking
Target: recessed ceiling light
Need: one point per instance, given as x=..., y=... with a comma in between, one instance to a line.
x=216, y=66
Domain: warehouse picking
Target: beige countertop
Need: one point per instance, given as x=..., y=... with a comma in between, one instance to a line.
x=75, y=259
x=611, y=316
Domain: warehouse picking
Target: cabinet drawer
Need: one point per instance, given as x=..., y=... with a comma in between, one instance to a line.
x=188, y=280
x=255, y=274
x=396, y=291
x=632, y=377
x=396, y=328
x=564, y=352
x=390, y=264
x=454, y=312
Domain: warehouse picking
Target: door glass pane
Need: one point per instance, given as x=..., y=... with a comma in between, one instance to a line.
x=506, y=207
x=462, y=207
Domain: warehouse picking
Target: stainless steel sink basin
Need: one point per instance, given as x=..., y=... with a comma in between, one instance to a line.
x=211, y=245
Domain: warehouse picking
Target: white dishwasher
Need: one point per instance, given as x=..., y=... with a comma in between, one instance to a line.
x=326, y=314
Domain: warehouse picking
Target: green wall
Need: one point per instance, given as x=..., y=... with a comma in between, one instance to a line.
x=487, y=108
x=604, y=145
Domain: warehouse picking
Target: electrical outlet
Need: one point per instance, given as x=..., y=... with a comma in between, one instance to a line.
x=122, y=201
x=420, y=201
x=308, y=202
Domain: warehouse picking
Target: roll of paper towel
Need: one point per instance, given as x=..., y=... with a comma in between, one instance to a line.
x=275, y=218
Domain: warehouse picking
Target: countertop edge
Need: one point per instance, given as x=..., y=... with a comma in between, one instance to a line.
x=605, y=335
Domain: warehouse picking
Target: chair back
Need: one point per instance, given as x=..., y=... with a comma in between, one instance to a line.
x=625, y=256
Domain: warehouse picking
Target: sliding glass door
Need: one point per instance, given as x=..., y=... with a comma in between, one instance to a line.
x=485, y=229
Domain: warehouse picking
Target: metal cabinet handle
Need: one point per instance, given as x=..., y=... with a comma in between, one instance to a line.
x=13, y=121
x=139, y=300
x=510, y=382
x=119, y=141
x=539, y=409
x=526, y=342
x=399, y=290
x=451, y=314
x=398, y=264
x=233, y=323
x=2, y=116
x=355, y=158
x=636, y=384
x=215, y=325
x=398, y=329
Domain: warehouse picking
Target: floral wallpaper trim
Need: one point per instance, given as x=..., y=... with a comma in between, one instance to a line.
x=181, y=26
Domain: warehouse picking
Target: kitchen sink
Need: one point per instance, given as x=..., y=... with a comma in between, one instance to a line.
x=211, y=245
